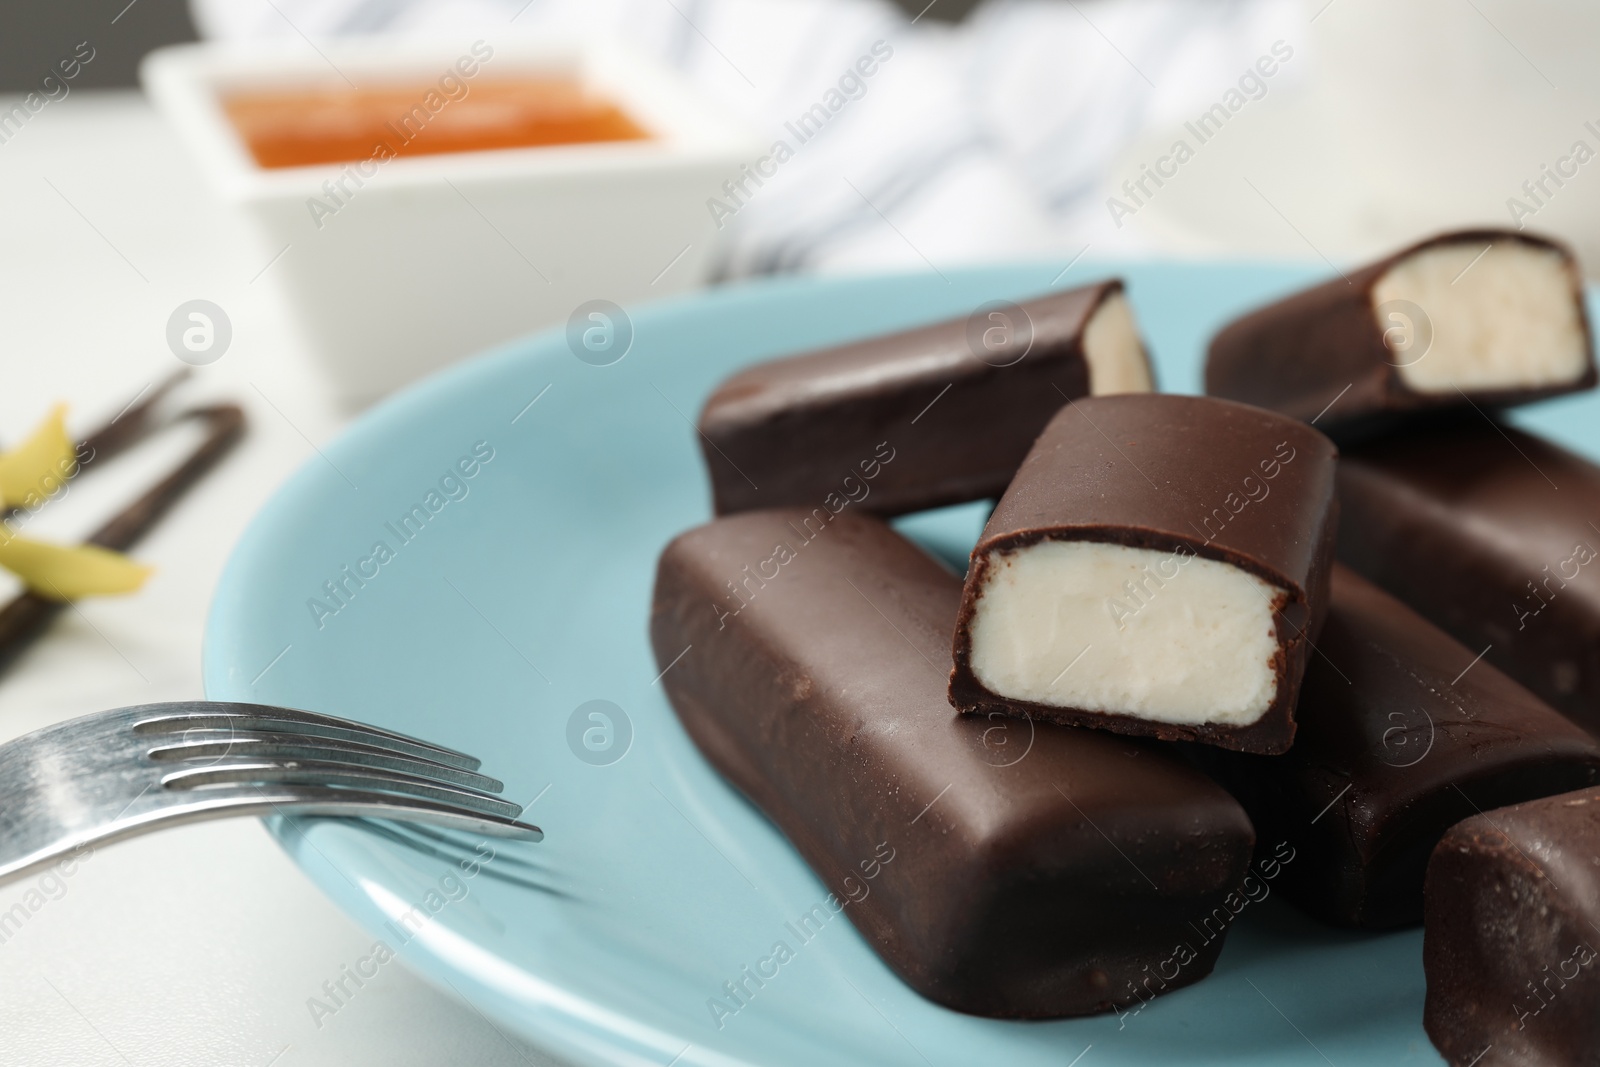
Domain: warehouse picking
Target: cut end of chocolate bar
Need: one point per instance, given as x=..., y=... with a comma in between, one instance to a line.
x=1161, y=635
x=1111, y=347
x=1493, y=317
x=1157, y=568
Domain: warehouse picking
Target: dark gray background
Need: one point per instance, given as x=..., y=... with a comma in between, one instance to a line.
x=37, y=33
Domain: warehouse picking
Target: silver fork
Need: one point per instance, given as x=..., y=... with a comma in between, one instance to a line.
x=115, y=774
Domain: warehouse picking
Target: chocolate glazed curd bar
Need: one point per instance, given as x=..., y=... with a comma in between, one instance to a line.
x=1494, y=536
x=1401, y=735
x=1057, y=873
x=1511, y=937
x=936, y=415
x=1494, y=316
x=1159, y=566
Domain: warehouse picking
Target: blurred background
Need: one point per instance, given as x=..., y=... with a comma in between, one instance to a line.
x=1318, y=131
x=1390, y=120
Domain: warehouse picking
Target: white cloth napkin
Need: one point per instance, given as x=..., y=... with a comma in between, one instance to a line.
x=985, y=140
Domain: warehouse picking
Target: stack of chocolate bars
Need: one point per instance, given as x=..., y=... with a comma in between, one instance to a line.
x=1195, y=647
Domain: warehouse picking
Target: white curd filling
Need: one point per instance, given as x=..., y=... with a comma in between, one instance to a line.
x=1161, y=635
x=1507, y=320
x=1111, y=347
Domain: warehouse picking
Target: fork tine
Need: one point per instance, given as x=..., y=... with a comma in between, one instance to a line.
x=316, y=772
x=251, y=746
x=451, y=842
x=362, y=807
x=204, y=715
x=410, y=835
x=303, y=802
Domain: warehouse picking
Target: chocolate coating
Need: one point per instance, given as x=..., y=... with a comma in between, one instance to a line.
x=1165, y=472
x=1300, y=354
x=1038, y=870
x=1490, y=533
x=1401, y=736
x=798, y=427
x=1511, y=945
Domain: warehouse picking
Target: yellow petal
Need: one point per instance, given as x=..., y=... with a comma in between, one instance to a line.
x=63, y=572
x=34, y=469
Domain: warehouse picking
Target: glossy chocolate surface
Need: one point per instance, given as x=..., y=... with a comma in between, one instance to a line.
x=1401, y=735
x=1037, y=870
x=1491, y=533
x=1228, y=482
x=1511, y=947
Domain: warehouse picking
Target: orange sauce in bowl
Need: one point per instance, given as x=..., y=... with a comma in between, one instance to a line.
x=299, y=127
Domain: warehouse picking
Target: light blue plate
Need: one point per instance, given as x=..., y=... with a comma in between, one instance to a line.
x=528, y=597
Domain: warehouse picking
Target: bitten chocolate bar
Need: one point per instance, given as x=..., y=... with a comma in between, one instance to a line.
x=932, y=416
x=1491, y=533
x=1401, y=735
x=1037, y=870
x=1511, y=946
x=1158, y=567
x=1494, y=316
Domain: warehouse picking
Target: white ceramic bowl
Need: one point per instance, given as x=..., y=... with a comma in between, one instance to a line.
x=426, y=259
